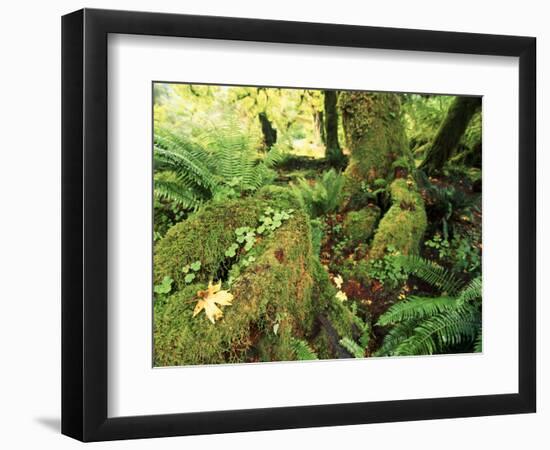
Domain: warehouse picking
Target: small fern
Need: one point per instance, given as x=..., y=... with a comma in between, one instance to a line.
x=302, y=350
x=324, y=196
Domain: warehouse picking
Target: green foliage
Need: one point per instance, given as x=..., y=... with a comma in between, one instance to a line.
x=423, y=115
x=220, y=163
x=324, y=195
x=428, y=325
x=164, y=287
x=351, y=346
x=462, y=253
x=302, y=350
x=389, y=269
x=190, y=271
x=431, y=273
x=162, y=290
x=447, y=204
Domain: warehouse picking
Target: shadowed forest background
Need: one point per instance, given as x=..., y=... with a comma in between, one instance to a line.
x=295, y=224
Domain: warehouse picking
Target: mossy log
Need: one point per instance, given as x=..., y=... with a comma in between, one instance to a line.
x=403, y=226
x=374, y=134
x=276, y=289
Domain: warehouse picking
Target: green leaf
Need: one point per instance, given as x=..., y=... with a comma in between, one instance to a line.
x=164, y=287
x=185, y=268
x=196, y=266
x=231, y=251
x=189, y=277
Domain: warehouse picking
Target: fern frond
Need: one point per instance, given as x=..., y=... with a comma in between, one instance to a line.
x=471, y=292
x=416, y=308
x=302, y=350
x=431, y=273
x=175, y=192
x=324, y=196
x=478, y=344
x=398, y=333
x=351, y=346
x=441, y=331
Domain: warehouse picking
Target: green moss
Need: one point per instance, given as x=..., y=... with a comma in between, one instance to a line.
x=359, y=225
x=403, y=226
x=280, y=197
x=204, y=237
x=275, y=289
x=374, y=134
x=326, y=304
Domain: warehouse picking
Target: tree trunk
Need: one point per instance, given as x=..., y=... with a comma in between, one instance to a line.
x=270, y=133
x=319, y=120
x=375, y=136
x=333, y=151
x=450, y=132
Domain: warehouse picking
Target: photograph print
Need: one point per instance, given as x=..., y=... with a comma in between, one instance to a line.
x=296, y=224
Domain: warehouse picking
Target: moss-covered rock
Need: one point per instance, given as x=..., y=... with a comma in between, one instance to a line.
x=360, y=225
x=275, y=289
x=374, y=134
x=403, y=226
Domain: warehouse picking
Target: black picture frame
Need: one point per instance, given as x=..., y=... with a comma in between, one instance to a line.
x=84, y=224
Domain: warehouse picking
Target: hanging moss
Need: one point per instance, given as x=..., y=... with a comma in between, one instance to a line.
x=374, y=134
x=403, y=226
x=276, y=289
x=359, y=225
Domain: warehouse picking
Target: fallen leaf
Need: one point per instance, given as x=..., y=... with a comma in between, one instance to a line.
x=208, y=299
x=340, y=295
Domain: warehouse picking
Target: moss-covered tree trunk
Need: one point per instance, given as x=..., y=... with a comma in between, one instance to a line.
x=269, y=133
x=333, y=151
x=450, y=132
x=374, y=134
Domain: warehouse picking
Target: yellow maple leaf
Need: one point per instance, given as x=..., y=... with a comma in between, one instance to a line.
x=208, y=299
